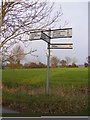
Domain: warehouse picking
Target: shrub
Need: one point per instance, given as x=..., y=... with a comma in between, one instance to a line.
x=34, y=65
x=86, y=64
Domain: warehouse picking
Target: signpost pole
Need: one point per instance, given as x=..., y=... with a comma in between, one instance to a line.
x=48, y=64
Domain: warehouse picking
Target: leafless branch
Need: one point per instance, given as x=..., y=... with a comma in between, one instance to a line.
x=19, y=17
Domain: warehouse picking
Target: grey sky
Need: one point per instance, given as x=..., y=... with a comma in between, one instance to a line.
x=76, y=13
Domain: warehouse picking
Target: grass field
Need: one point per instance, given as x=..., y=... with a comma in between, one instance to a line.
x=25, y=90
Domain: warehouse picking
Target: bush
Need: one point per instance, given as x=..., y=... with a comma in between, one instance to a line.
x=14, y=66
x=86, y=64
x=74, y=65
x=41, y=65
x=34, y=65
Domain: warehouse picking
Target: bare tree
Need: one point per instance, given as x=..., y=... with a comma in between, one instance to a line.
x=63, y=63
x=19, y=17
x=74, y=60
x=18, y=54
x=68, y=60
x=54, y=62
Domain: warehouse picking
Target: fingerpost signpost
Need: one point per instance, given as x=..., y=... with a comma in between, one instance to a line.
x=47, y=35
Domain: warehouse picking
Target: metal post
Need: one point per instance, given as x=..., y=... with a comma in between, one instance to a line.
x=48, y=63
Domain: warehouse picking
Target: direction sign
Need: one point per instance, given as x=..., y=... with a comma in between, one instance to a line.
x=35, y=35
x=45, y=37
x=55, y=33
x=61, y=46
x=61, y=33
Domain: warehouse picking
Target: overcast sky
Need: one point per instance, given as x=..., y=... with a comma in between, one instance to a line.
x=76, y=13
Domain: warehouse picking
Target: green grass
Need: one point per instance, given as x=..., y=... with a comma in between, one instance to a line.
x=25, y=91
x=37, y=77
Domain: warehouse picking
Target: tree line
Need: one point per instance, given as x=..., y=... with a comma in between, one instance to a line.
x=67, y=62
x=14, y=60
